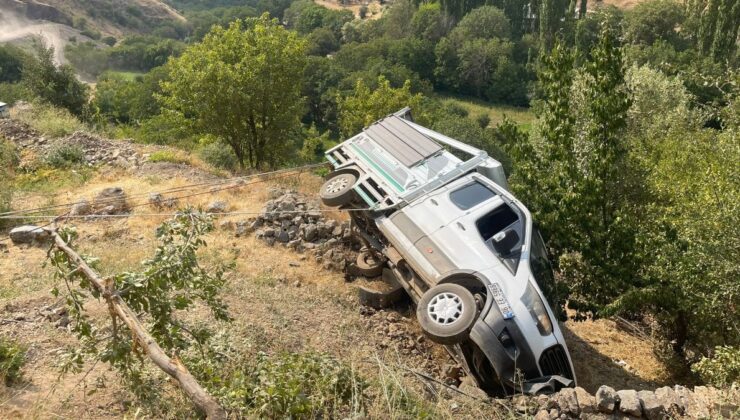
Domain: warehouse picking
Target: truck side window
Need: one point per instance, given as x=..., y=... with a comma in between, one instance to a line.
x=471, y=195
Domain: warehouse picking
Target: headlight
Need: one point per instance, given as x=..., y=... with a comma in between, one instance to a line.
x=537, y=310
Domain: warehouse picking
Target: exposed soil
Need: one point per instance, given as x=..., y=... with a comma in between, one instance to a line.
x=281, y=300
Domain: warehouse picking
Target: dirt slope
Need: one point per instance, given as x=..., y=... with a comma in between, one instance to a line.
x=280, y=300
x=108, y=16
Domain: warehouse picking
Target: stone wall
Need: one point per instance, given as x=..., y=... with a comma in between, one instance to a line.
x=607, y=403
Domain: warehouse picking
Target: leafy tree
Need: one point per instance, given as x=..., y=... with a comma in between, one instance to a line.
x=121, y=100
x=322, y=42
x=481, y=61
x=170, y=282
x=56, y=85
x=551, y=19
x=430, y=22
x=484, y=22
x=365, y=106
x=396, y=20
x=718, y=26
x=242, y=84
x=11, y=63
x=320, y=88
x=545, y=174
x=650, y=21
x=606, y=261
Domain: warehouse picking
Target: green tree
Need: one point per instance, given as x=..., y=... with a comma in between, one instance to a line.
x=11, y=63
x=243, y=85
x=430, y=22
x=56, y=85
x=484, y=22
x=546, y=175
x=718, y=26
x=650, y=21
x=365, y=106
x=605, y=262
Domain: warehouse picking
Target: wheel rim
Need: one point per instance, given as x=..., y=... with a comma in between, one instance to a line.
x=336, y=185
x=445, y=308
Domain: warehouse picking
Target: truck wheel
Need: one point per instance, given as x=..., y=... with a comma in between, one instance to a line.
x=368, y=265
x=446, y=313
x=337, y=190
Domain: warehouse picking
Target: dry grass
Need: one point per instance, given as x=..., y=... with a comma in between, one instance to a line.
x=280, y=301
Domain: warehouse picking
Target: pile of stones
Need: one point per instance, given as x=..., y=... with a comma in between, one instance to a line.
x=96, y=150
x=663, y=403
x=291, y=220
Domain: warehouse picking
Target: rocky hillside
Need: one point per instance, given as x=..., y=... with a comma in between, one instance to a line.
x=287, y=292
x=107, y=16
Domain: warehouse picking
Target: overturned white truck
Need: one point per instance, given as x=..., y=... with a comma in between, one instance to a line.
x=461, y=246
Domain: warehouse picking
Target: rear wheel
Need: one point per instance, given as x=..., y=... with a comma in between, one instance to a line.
x=446, y=313
x=337, y=190
x=368, y=264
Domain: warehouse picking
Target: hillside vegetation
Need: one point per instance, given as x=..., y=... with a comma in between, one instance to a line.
x=618, y=128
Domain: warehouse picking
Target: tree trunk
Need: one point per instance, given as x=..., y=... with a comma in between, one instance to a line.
x=172, y=367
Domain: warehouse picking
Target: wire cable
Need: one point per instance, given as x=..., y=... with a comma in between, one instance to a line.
x=290, y=171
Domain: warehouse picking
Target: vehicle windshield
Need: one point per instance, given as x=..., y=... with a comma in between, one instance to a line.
x=542, y=269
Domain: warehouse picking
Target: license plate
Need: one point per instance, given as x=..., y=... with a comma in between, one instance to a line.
x=498, y=296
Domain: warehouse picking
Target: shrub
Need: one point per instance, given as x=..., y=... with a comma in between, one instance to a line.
x=12, y=359
x=483, y=120
x=13, y=92
x=49, y=120
x=219, y=155
x=721, y=370
x=8, y=161
x=285, y=385
x=65, y=156
x=169, y=156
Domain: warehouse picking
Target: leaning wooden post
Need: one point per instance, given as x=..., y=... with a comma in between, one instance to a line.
x=200, y=397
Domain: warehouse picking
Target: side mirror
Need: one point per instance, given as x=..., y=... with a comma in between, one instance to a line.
x=504, y=241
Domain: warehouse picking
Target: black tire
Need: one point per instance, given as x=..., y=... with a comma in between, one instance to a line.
x=337, y=190
x=442, y=323
x=369, y=266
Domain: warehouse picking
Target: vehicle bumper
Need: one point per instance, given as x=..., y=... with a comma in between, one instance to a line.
x=517, y=367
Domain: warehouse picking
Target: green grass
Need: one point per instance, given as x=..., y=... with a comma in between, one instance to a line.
x=127, y=75
x=12, y=359
x=522, y=116
x=50, y=121
x=46, y=179
x=170, y=156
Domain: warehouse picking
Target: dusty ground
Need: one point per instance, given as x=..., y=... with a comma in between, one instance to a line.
x=280, y=301
x=374, y=8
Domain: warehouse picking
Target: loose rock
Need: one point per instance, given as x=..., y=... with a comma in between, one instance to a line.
x=28, y=235
x=606, y=399
x=629, y=403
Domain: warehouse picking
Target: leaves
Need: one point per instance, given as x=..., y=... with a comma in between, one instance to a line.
x=254, y=66
x=171, y=281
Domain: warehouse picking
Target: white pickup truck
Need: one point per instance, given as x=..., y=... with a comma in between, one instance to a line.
x=463, y=248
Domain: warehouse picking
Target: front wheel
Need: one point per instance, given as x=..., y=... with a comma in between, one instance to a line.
x=447, y=313
x=337, y=190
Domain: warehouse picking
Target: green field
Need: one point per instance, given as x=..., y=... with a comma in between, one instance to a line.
x=128, y=75
x=522, y=116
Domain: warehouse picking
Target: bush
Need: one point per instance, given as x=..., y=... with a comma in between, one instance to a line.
x=721, y=370
x=12, y=359
x=170, y=156
x=219, y=155
x=49, y=120
x=65, y=156
x=286, y=385
x=11, y=93
x=8, y=161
